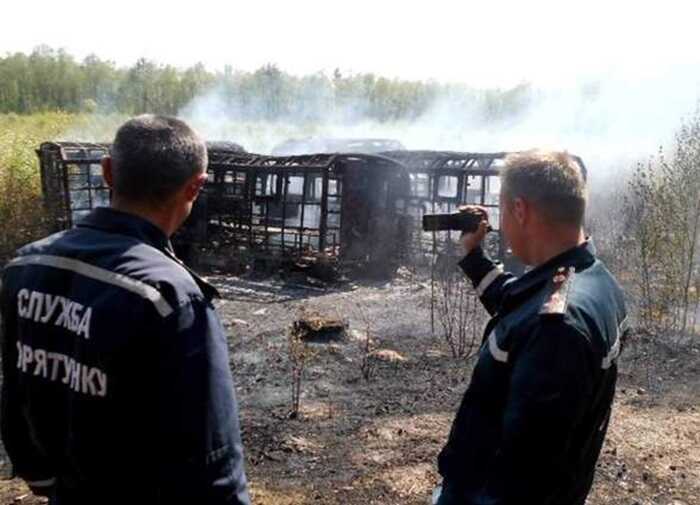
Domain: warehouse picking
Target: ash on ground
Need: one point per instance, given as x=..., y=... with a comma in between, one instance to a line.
x=359, y=441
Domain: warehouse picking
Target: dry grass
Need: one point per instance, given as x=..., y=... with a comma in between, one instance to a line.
x=21, y=212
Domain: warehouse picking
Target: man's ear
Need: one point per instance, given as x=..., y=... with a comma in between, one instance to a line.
x=194, y=185
x=521, y=210
x=107, y=171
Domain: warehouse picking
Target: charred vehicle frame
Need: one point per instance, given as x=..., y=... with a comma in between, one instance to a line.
x=350, y=209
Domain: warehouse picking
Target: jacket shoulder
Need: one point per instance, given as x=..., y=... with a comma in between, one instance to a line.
x=590, y=301
x=169, y=276
x=556, y=299
x=123, y=255
x=44, y=245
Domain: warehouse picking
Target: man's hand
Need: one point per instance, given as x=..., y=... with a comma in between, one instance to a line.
x=472, y=240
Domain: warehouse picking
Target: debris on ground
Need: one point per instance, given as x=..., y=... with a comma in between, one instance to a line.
x=313, y=327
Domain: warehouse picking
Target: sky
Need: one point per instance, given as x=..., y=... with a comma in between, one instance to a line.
x=485, y=44
x=642, y=57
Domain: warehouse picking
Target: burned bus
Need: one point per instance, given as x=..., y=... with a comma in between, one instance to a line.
x=71, y=178
x=71, y=181
x=357, y=210
x=337, y=208
x=441, y=182
x=334, y=207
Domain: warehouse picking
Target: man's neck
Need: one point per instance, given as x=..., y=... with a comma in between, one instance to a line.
x=551, y=244
x=163, y=219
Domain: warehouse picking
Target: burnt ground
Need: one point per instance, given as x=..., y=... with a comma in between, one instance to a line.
x=363, y=442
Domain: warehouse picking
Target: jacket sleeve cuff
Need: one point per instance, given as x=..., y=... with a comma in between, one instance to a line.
x=480, y=269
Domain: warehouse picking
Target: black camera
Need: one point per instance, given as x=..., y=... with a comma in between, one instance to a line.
x=466, y=221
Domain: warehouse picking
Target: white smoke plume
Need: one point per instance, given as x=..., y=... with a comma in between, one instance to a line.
x=610, y=121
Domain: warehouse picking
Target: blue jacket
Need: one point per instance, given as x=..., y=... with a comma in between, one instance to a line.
x=532, y=421
x=117, y=386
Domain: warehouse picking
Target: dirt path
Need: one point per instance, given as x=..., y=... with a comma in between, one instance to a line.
x=362, y=442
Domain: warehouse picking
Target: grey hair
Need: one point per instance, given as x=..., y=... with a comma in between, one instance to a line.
x=552, y=181
x=154, y=156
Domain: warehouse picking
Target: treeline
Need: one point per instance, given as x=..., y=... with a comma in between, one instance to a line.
x=647, y=228
x=53, y=80
x=662, y=212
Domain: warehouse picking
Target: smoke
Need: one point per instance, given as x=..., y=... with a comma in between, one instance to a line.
x=610, y=121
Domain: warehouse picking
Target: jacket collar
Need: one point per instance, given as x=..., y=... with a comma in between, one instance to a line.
x=123, y=223
x=579, y=257
x=131, y=225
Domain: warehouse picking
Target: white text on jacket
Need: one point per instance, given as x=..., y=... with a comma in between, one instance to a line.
x=59, y=310
x=55, y=367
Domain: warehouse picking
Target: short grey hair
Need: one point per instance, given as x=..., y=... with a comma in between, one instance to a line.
x=553, y=181
x=154, y=156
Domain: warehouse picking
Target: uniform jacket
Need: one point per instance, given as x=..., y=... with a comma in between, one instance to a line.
x=117, y=386
x=532, y=421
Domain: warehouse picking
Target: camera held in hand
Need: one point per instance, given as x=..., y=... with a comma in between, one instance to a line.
x=466, y=221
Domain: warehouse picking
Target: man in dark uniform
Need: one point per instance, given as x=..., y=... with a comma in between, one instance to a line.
x=117, y=386
x=532, y=421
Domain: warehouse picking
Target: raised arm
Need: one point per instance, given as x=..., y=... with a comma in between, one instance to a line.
x=487, y=276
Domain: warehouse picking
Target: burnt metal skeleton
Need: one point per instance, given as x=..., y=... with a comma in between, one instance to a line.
x=335, y=206
x=361, y=210
x=71, y=181
x=71, y=178
x=443, y=181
